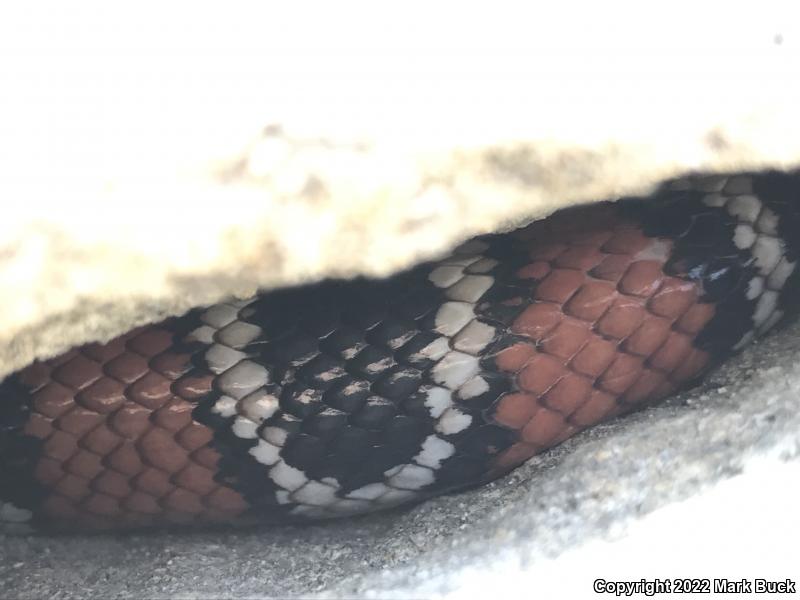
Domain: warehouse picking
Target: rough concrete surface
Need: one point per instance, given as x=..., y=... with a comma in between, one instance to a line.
x=609, y=503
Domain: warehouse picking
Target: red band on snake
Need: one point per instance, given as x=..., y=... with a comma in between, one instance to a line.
x=346, y=397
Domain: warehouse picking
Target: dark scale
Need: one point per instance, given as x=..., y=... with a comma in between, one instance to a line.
x=285, y=421
x=409, y=353
x=502, y=305
x=406, y=433
x=459, y=471
x=486, y=440
x=18, y=452
x=347, y=451
x=321, y=372
x=398, y=383
x=351, y=382
x=498, y=384
x=414, y=405
x=300, y=400
x=419, y=303
x=696, y=229
x=392, y=332
x=345, y=343
x=326, y=424
x=374, y=464
x=371, y=363
x=347, y=394
x=305, y=452
x=341, y=353
x=731, y=321
x=374, y=414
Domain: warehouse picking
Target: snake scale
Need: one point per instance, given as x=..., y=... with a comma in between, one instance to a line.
x=346, y=397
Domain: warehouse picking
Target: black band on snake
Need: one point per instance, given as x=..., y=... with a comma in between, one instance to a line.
x=346, y=397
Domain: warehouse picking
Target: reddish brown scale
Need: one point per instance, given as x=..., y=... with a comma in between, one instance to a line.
x=609, y=331
x=120, y=448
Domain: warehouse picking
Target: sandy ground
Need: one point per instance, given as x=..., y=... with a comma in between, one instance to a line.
x=610, y=503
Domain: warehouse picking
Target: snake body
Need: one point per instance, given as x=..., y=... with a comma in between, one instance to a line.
x=346, y=397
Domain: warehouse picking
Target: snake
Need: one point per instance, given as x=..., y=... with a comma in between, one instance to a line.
x=346, y=397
